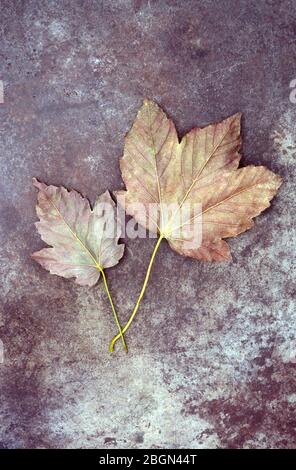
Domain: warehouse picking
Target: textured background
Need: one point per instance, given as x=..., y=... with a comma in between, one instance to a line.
x=212, y=357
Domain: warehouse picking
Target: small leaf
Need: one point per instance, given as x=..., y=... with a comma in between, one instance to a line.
x=83, y=241
x=201, y=170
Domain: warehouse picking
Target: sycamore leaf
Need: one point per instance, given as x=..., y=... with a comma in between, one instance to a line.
x=83, y=241
x=201, y=171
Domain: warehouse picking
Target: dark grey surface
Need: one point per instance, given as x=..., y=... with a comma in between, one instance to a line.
x=213, y=351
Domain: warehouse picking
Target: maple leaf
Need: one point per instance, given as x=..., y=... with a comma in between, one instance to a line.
x=202, y=171
x=82, y=240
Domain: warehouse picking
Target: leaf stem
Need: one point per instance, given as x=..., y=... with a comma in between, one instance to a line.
x=111, y=346
x=120, y=335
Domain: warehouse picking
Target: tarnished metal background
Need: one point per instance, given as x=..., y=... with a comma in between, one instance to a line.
x=213, y=350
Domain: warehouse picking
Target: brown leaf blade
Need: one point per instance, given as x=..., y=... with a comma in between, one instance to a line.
x=82, y=240
x=199, y=171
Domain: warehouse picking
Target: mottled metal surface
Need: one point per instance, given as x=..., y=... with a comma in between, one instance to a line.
x=213, y=351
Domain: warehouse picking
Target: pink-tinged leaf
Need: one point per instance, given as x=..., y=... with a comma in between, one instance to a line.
x=82, y=240
x=199, y=171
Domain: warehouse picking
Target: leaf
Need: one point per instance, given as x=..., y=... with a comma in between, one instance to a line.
x=82, y=240
x=201, y=170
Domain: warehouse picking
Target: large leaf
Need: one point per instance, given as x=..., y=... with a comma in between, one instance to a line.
x=83, y=241
x=201, y=172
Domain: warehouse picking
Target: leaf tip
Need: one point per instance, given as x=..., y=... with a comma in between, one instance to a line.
x=236, y=119
x=37, y=183
x=146, y=102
